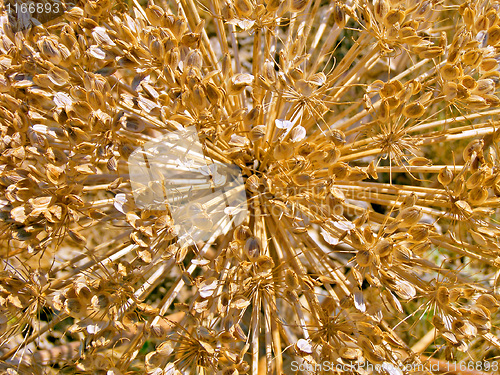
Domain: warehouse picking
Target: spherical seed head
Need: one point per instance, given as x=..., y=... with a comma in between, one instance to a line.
x=79, y=96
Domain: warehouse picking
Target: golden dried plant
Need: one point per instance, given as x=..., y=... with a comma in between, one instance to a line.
x=366, y=132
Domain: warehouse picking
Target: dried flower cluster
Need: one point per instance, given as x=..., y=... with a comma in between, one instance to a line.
x=367, y=134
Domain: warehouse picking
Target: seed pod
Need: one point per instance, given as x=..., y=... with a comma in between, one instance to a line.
x=419, y=232
x=380, y=8
x=77, y=237
x=257, y=133
x=450, y=72
x=475, y=146
x=298, y=5
x=459, y=185
x=485, y=86
x=357, y=174
x=476, y=102
x=95, y=99
x=157, y=49
x=409, y=201
x=464, y=207
x=172, y=58
x=339, y=170
x=480, y=315
x=488, y=301
x=478, y=195
x=214, y=94
x=443, y=296
x=58, y=301
x=414, y=110
x=194, y=59
x=450, y=337
x=101, y=301
x=273, y=5
x=475, y=179
x=419, y=161
x=339, y=16
x=445, y=176
x=350, y=354
x=384, y=247
x=361, y=220
x=455, y=294
x=337, y=137
x=364, y=258
x=421, y=248
x=492, y=100
x=369, y=235
x=242, y=233
x=49, y=49
x=75, y=307
x=283, y=151
x=384, y=110
x=291, y=279
x=431, y=52
x=393, y=16
x=302, y=179
x=376, y=355
x=450, y=90
x=252, y=248
x=494, y=35
x=239, y=82
x=244, y=8
x=489, y=64
x=264, y=264
x=393, y=102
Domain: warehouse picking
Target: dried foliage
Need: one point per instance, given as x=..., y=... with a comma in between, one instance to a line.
x=367, y=133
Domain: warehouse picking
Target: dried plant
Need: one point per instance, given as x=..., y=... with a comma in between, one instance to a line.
x=366, y=133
